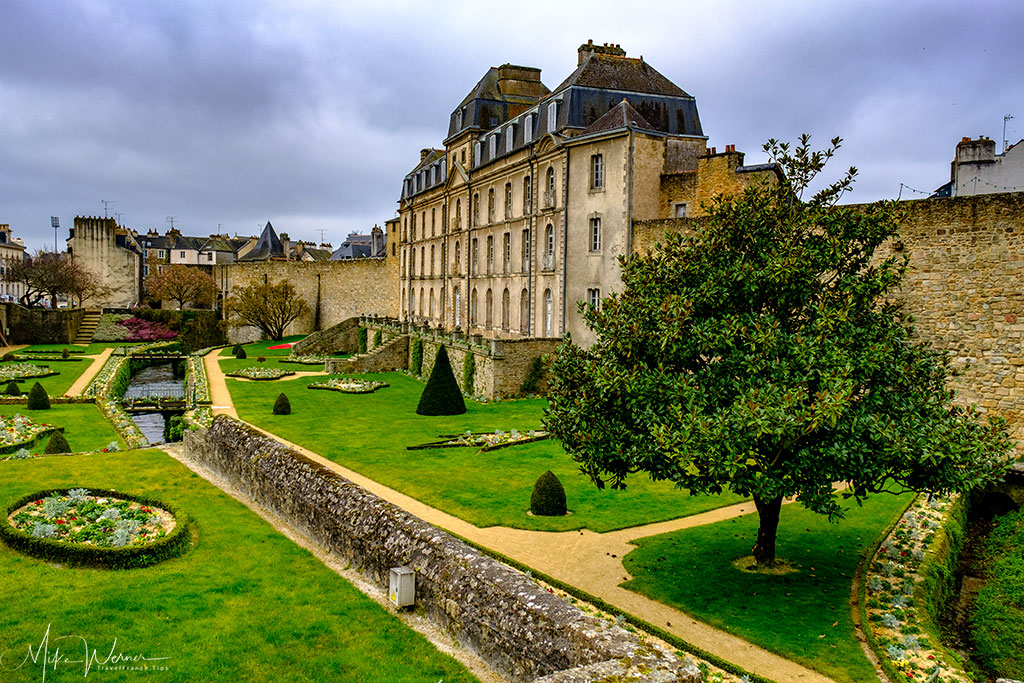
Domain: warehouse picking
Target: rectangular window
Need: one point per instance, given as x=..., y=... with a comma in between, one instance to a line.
x=525, y=265
x=476, y=256
x=476, y=210
x=595, y=234
x=490, y=205
x=159, y=253
x=596, y=172
x=506, y=252
x=552, y=116
x=527, y=195
x=490, y=254
x=209, y=257
x=681, y=210
x=181, y=254
x=594, y=298
x=508, y=201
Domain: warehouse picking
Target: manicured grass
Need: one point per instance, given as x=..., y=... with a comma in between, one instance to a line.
x=260, y=348
x=90, y=349
x=84, y=425
x=997, y=622
x=56, y=385
x=369, y=434
x=804, y=615
x=245, y=604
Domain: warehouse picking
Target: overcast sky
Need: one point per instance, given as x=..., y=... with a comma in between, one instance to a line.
x=308, y=114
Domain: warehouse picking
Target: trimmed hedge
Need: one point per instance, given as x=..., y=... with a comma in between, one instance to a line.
x=282, y=406
x=57, y=444
x=548, y=497
x=441, y=396
x=416, y=361
x=12, y=389
x=468, y=372
x=362, y=340
x=170, y=546
x=38, y=399
x=377, y=338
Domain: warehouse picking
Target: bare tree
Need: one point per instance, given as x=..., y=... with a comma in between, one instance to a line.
x=183, y=284
x=270, y=307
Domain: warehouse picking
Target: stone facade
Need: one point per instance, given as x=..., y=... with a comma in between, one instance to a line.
x=12, y=251
x=515, y=625
x=40, y=326
x=112, y=253
x=334, y=290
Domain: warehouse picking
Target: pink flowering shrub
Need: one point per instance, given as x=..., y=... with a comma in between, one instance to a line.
x=145, y=330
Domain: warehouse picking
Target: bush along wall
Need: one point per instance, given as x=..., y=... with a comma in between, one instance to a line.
x=362, y=340
x=416, y=357
x=469, y=374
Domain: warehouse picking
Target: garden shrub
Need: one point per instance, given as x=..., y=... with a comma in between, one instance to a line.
x=282, y=406
x=441, y=396
x=261, y=359
x=174, y=429
x=416, y=363
x=468, y=372
x=107, y=330
x=57, y=444
x=377, y=338
x=548, y=497
x=534, y=377
x=12, y=389
x=241, y=353
x=196, y=328
x=362, y=340
x=170, y=546
x=236, y=349
x=65, y=353
x=38, y=399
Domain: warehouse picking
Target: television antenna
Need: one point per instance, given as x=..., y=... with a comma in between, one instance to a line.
x=321, y=231
x=117, y=216
x=171, y=219
x=1006, y=118
x=106, y=203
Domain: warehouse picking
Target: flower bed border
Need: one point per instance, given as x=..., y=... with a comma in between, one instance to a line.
x=174, y=544
x=34, y=441
x=382, y=385
x=483, y=449
x=284, y=374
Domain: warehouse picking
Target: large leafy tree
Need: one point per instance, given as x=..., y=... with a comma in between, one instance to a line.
x=181, y=283
x=268, y=306
x=765, y=353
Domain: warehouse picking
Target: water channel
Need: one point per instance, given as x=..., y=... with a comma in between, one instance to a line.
x=156, y=380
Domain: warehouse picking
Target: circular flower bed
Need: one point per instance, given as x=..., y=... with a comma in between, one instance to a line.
x=95, y=528
x=18, y=430
x=257, y=373
x=347, y=385
x=17, y=371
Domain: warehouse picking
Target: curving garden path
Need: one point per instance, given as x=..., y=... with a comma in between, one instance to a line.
x=583, y=558
x=99, y=360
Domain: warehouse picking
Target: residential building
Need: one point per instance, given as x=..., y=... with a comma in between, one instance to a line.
x=525, y=210
x=977, y=169
x=12, y=251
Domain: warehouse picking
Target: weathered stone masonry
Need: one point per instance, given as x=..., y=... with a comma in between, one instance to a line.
x=516, y=626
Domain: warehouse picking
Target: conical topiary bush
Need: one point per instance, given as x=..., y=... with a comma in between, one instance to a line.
x=441, y=396
x=282, y=406
x=240, y=353
x=38, y=399
x=548, y=498
x=235, y=349
x=12, y=389
x=57, y=444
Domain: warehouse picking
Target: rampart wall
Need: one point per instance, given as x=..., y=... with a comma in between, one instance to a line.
x=514, y=624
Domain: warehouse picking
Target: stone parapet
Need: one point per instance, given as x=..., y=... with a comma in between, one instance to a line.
x=518, y=627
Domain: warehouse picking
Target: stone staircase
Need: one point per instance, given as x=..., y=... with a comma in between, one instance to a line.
x=88, y=327
x=391, y=355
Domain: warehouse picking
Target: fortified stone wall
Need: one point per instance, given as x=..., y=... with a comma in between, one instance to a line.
x=519, y=628
x=965, y=288
x=118, y=267
x=334, y=290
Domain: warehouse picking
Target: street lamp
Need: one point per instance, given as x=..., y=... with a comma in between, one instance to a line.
x=55, y=222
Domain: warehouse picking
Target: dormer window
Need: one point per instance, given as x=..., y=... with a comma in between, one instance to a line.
x=552, y=116
x=492, y=146
x=528, y=128
x=458, y=120
x=510, y=137
x=477, y=149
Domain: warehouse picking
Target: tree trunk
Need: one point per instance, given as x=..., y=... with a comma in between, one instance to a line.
x=768, y=513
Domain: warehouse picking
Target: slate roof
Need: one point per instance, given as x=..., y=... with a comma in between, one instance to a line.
x=268, y=246
x=612, y=72
x=622, y=115
x=354, y=246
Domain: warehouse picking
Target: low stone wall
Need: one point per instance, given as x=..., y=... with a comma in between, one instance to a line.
x=343, y=338
x=519, y=628
x=389, y=356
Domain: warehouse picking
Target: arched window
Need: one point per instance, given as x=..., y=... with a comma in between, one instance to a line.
x=490, y=205
x=431, y=259
x=458, y=257
x=458, y=214
x=489, y=303
x=412, y=301
x=508, y=201
x=423, y=260
x=430, y=310
x=506, y=304
x=548, y=313
x=457, y=306
x=412, y=228
x=549, y=196
x=412, y=262
x=433, y=216
x=473, y=308
x=524, y=312
x=524, y=264
x=527, y=195
x=421, y=302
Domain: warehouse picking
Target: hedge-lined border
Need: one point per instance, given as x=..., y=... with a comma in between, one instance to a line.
x=260, y=379
x=649, y=628
x=384, y=385
x=170, y=546
x=927, y=573
x=34, y=441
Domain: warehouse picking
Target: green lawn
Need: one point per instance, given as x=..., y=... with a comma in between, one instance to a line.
x=91, y=349
x=245, y=604
x=369, y=434
x=84, y=425
x=805, y=615
x=997, y=620
x=56, y=385
x=260, y=348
